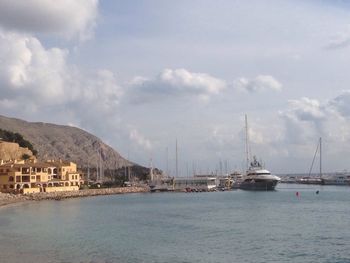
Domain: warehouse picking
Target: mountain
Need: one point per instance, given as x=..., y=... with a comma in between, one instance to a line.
x=65, y=142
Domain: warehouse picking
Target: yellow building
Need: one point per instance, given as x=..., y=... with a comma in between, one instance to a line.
x=35, y=177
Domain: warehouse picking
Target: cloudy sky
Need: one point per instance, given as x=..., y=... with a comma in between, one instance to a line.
x=141, y=74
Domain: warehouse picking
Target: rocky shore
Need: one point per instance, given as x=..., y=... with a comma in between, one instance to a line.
x=6, y=199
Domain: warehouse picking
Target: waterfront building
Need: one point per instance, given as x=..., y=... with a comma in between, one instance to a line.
x=194, y=183
x=34, y=177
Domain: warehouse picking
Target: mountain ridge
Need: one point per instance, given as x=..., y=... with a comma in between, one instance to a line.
x=54, y=141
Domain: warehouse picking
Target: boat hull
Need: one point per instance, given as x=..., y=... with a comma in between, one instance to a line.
x=258, y=185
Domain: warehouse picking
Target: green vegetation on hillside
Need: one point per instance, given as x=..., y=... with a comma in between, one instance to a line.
x=9, y=136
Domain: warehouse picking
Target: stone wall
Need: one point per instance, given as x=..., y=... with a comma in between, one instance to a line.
x=12, y=198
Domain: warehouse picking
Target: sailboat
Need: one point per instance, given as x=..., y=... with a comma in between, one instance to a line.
x=314, y=179
x=256, y=178
x=342, y=178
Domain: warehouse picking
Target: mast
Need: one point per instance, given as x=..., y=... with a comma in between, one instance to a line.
x=129, y=177
x=167, y=161
x=246, y=142
x=151, y=169
x=176, y=171
x=88, y=171
x=320, y=156
x=101, y=167
x=318, y=148
x=98, y=166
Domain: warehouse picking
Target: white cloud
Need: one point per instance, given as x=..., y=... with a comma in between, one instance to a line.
x=65, y=17
x=140, y=139
x=258, y=84
x=340, y=40
x=307, y=109
x=28, y=69
x=198, y=82
x=341, y=103
x=176, y=83
x=307, y=119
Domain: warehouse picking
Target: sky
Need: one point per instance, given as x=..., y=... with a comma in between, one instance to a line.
x=142, y=75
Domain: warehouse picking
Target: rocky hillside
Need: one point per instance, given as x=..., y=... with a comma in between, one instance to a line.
x=12, y=151
x=64, y=142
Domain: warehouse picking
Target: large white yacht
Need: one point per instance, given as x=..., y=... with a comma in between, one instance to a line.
x=258, y=179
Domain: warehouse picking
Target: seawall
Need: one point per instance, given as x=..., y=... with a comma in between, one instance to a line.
x=6, y=199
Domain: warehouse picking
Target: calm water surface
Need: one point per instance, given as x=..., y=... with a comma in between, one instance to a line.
x=235, y=226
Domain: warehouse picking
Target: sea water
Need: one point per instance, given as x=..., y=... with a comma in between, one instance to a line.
x=232, y=226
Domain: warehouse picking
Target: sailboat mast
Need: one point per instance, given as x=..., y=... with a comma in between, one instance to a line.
x=98, y=166
x=167, y=161
x=320, y=157
x=151, y=169
x=177, y=171
x=88, y=171
x=246, y=142
x=101, y=166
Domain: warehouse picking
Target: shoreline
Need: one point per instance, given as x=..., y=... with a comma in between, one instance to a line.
x=7, y=199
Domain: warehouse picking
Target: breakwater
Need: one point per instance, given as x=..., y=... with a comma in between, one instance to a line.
x=6, y=199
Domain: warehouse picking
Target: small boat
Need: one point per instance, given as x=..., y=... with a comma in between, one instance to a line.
x=160, y=188
x=289, y=180
x=310, y=180
x=314, y=179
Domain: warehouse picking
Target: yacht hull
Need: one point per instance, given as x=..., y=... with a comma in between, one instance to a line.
x=258, y=185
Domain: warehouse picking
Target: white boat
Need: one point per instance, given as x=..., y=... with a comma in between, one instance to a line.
x=309, y=180
x=289, y=180
x=337, y=179
x=256, y=177
x=314, y=179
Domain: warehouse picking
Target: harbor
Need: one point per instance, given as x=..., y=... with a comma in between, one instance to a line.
x=182, y=227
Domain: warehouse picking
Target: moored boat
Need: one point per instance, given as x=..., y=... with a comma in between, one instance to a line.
x=337, y=179
x=258, y=179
